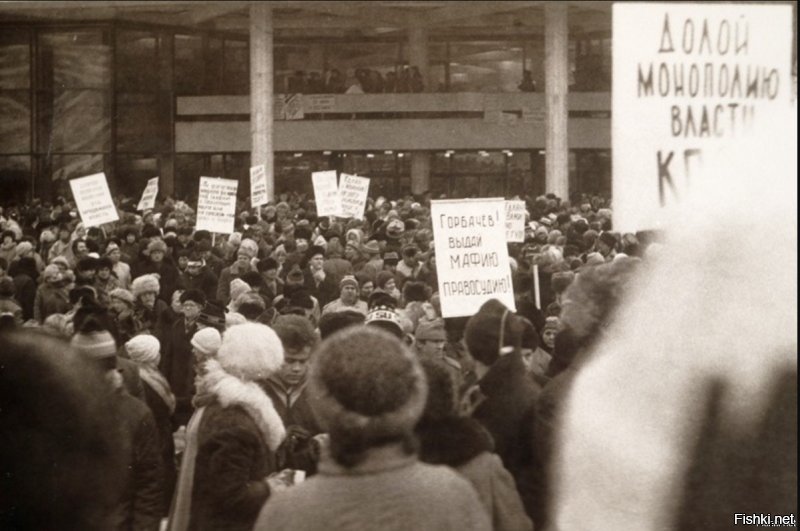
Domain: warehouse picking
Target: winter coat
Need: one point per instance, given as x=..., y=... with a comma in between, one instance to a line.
x=49, y=300
x=177, y=365
x=389, y=490
x=168, y=277
x=156, y=321
x=10, y=306
x=508, y=412
x=225, y=277
x=337, y=268
x=206, y=282
x=463, y=444
x=298, y=452
x=163, y=421
x=238, y=436
x=141, y=505
x=26, y=294
x=325, y=291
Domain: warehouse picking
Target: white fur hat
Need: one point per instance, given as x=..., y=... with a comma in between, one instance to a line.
x=250, y=351
x=145, y=284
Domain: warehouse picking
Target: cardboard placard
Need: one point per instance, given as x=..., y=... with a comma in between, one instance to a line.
x=258, y=186
x=93, y=199
x=326, y=193
x=353, y=191
x=515, y=221
x=216, y=204
x=471, y=254
x=148, y=200
x=690, y=81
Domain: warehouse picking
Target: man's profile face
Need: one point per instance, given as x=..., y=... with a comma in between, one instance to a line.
x=295, y=365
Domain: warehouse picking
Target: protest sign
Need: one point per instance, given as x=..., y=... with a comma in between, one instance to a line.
x=689, y=82
x=293, y=107
x=471, y=254
x=216, y=204
x=326, y=193
x=515, y=221
x=353, y=192
x=93, y=200
x=148, y=200
x=258, y=186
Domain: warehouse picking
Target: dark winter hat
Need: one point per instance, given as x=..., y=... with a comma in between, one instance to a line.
x=266, y=264
x=379, y=297
x=395, y=229
x=104, y=262
x=315, y=250
x=194, y=295
x=366, y=381
x=302, y=232
x=489, y=331
x=87, y=263
x=212, y=315
x=391, y=258
x=7, y=287
x=608, y=239
x=387, y=318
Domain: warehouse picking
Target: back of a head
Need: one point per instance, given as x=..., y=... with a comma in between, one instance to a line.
x=331, y=323
x=61, y=455
x=490, y=330
x=367, y=390
x=294, y=331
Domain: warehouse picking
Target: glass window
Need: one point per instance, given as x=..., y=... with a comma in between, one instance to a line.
x=15, y=124
x=74, y=59
x=356, y=164
x=15, y=59
x=237, y=67
x=133, y=171
x=71, y=166
x=137, y=57
x=590, y=63
x=438, y=68
x=289, y=61
x=485, y=66
x=293, y=171
x=366, y=65
x=520, y=181
x=237, y=166
x=214, y=71
x=74, y=121
x=189, y=167
x=15, y=177
x=144, y=122
x=189, y=67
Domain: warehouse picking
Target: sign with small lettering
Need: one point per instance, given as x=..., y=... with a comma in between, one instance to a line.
x=93, y=199
x=326, y=193
x=353, y=192
x=258, y=186
x=515, y=221
x=216, y=204
x=148, y=200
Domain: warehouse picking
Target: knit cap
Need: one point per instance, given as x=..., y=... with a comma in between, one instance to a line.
x=207, y=341
x=348, y=280
x=144, y=349
x=95, y=345
x=239, y=287
x=250, y=352
x=430, y=330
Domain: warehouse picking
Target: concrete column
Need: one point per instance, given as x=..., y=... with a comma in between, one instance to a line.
x=420, y=172
x=418, y=52
x=261, y=91
x=556, y=89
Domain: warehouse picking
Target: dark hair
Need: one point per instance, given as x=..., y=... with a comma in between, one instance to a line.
x=266, y=264
x=75, y=243
x=253, y=279
x=333, y=322
x=294, y=331
x=3, y=263
x=62, y=454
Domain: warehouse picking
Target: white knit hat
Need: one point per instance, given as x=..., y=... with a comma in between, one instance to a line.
x=250, y=351
x=144, y=349
x=207, y=341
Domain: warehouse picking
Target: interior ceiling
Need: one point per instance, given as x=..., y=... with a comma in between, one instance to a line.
x=324, y=19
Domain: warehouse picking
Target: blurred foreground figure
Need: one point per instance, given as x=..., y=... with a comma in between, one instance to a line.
x=62, y=458
x=686, y=413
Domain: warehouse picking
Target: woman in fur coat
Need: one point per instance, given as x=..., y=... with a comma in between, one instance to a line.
x=233, y=436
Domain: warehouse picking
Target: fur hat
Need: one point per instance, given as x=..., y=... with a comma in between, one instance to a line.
x=395, y=229
x=145, y=284
x=348, y=280
x=194, y=295
x=366, y=381
x=156, y=246
x=238, y=287
x=250, y=351
x=123, y=295
x=248, y=247
x=51, y=271
x=144, y=349
x=430, y=330
x=489, y=331
x=24, y=247
x=371, y=247
x=212, y=315
x=207, y=341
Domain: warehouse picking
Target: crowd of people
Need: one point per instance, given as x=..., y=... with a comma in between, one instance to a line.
x=296, y=374
x=363, y=81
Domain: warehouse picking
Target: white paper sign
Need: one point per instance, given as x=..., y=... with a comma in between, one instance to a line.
x=258, y=186
x=93, y=200
x=148, y=200
x=216, y=204
x=689, y=82
x=353, y=191
x=471, y=254
x=515, y=221
x=326, y=193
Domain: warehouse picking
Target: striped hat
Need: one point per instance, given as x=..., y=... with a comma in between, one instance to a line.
x=95, y=345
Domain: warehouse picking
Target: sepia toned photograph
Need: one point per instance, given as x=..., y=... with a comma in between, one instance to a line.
x=398, y=265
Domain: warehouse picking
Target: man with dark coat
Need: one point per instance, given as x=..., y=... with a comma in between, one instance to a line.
x=167, y=272
x=177, y=364
x=320, y=284
x=198, y=276
x=504, y=398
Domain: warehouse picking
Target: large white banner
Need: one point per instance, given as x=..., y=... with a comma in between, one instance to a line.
x=258, y=186
x=472, y=264
x=148, y=200
x=515, y=221
x=326, y=193
x=93, y=199
x=689, y=82
x=353, y=191
x=216, y=204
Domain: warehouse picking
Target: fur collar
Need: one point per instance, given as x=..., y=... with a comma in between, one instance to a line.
x=231, y=391
x=452, y=441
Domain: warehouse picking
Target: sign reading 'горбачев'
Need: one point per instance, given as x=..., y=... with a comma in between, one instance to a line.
x=471, y=254
x=689, y=82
